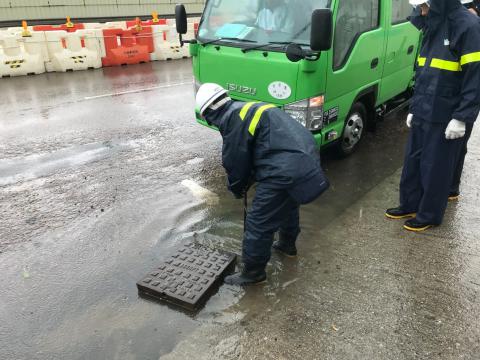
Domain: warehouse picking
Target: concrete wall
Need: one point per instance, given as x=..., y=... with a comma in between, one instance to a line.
x=12, y=10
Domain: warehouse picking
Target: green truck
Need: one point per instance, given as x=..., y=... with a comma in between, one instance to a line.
x=336, y=66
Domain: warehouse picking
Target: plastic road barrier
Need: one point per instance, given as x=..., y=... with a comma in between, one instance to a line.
x=150, y=22
x=69, y=47
x=177, y=51
x=79, y=50
x=116, y=25
x=22, y=55
x=63, y=27
x=164, y=48
x=124, y=47
x=107, y=25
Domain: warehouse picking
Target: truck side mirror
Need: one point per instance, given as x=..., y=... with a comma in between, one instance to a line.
x=322, y=30
x=181, y=19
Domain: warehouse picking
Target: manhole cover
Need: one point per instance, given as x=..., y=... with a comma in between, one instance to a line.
x=189, y=277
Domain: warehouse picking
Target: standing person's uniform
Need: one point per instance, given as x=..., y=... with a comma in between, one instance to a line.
x=457, y=176
x=446, y=99
x=261, y=143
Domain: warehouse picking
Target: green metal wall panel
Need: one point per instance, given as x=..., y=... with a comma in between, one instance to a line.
x=13, y=10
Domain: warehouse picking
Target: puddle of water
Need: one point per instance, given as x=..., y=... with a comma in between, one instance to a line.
x=41, y=165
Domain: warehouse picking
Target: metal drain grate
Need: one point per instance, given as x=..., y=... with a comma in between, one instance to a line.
x=189, y=277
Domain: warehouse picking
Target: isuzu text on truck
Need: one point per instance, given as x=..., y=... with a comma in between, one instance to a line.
x=333, y=65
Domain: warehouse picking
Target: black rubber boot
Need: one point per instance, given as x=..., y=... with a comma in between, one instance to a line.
x=416, y=226
x=247, y=277
x=398, y=213
x=286, y=245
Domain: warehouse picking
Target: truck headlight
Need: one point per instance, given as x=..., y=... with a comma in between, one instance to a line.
x=308, y=112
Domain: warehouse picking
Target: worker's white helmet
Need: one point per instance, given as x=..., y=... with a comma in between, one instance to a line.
x=466, y=1
x=418, y=2
x=207, y=95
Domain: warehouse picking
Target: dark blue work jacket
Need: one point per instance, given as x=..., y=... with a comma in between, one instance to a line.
x=447, y=84
x=262, y=141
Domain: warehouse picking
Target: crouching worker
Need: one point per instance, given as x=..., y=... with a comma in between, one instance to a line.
x=263, y=144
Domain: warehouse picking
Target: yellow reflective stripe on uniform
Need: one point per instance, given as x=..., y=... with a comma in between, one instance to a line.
x=446, y=65
x=421, y=61
x=469, y=58
x=245, y=109
x=257, y=116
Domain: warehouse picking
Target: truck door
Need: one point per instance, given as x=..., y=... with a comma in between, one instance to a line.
x=402, y=43
x=357, y=57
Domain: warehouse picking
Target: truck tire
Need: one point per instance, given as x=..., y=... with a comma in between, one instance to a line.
x=353, y=131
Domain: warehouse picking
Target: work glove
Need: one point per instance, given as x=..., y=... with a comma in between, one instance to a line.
x=409, y=120
x=455, y=130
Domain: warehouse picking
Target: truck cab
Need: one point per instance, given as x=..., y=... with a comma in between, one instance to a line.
x=268, y=51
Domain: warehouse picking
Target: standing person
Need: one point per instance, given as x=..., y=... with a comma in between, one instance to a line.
x=446, y=99
x=474, y=8
x=262, y=143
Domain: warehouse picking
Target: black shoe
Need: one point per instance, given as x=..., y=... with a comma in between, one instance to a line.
x=247, y=277
x=286, y=245
x=417, y=226
x=287, y=250
x=398, y=213
x=454, y=195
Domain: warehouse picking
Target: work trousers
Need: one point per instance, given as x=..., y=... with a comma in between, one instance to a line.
x=457, y=175
x=429, y=165
x=272, y=210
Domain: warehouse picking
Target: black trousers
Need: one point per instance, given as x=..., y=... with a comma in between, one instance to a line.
x=457, y=175
x=429, y=166
x=272, y=210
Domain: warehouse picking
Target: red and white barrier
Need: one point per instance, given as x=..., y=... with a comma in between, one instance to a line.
x=71, y=47
x=73, y=51
x=123, y=47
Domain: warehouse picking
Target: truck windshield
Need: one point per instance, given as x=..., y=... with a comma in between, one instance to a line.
x=259, y=21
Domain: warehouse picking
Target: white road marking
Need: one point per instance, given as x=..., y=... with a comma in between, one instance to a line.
x=136, y=91
x=200, y=192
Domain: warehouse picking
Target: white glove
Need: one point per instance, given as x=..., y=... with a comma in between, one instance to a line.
x=455, y=130
x=409, y=120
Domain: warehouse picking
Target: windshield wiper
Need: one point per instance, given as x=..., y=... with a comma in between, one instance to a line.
x=260, y=46
x=226, y=38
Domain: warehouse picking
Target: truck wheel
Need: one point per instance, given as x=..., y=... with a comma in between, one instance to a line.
x=353, y=130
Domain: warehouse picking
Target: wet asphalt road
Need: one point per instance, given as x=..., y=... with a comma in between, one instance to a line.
x=91, y=198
